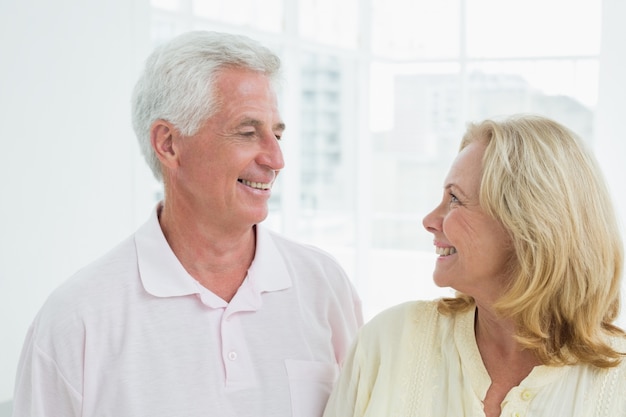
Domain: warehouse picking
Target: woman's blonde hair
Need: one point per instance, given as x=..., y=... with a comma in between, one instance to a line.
x=546, y=189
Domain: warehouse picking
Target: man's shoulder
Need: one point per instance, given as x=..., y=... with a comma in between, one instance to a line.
x=312, y=268
x=109, y=267
x=96, y=281
x=302, y=250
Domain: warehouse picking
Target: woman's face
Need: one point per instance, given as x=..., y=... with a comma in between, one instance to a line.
x=474, y=249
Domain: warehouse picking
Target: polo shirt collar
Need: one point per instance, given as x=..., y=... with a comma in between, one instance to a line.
x=162, y=274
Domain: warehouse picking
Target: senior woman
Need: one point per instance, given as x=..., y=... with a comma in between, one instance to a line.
x=527, y=236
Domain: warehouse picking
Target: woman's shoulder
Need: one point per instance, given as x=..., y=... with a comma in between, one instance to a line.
x=609, y=384
x=410, y=315
x=408, y=310
x=400, y=341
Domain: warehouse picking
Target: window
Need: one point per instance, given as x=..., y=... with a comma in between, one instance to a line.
x=378, y=95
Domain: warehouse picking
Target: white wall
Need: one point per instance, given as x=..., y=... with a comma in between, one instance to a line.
x=70, y=178
x=610, y=130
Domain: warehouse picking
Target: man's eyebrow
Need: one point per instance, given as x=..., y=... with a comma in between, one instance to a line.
x=256, y=123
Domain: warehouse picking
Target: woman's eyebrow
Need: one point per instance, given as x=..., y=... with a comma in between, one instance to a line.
x=453, y=186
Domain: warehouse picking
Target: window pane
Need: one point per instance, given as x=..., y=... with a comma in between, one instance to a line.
x=412, y=147
x=416, y=126
x=510, y=28
x=409, y=29
x=330, y=21
x=163, y=28
x=171, y=5
x=563, y=90
x=399, y=276
x=327, y=152
x=266, y=15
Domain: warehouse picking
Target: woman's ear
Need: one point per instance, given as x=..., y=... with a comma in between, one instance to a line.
x=162, y=135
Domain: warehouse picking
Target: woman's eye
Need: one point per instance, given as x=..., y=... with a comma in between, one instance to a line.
x=453, y=199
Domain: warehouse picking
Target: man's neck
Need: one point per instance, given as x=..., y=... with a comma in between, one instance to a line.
x=217, y=257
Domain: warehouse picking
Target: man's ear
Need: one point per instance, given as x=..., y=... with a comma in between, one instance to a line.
x=162, y=135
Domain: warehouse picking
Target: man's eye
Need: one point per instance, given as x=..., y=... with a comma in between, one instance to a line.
x=453, y=199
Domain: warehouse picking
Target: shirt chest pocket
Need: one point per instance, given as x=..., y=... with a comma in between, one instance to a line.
x=310, y=383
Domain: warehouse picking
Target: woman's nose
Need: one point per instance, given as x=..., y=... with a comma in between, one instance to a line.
x=432, y=221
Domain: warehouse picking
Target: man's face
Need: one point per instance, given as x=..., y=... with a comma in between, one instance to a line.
x=226, y=170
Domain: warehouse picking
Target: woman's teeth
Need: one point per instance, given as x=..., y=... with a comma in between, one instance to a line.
x=446, y=251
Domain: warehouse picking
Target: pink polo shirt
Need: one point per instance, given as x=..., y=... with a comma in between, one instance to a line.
x=133, y=334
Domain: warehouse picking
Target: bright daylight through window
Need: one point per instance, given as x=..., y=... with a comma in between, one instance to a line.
x=377, y=95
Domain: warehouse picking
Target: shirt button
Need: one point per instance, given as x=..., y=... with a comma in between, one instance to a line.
x=527, y=395
x=515, y=414
x=232, y=355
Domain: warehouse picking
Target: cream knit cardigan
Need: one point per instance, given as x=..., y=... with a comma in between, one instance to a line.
x=413, y=361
